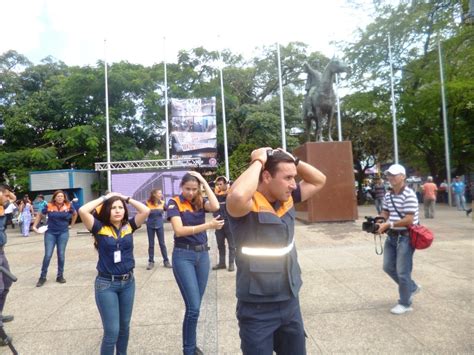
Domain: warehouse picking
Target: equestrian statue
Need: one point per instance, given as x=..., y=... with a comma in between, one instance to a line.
x=320, y=100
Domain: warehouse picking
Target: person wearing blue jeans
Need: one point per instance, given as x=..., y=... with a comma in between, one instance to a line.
x=115, y=281
x=60, y=212
x=51, y=240
x=154, y=225
x=190, y=254
x=111, y=296
x=191, y=271
x=400, y=210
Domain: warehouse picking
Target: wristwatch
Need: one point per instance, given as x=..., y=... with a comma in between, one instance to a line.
x=391, y=225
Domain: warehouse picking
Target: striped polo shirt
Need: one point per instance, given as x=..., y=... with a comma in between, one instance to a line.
x=406, y=203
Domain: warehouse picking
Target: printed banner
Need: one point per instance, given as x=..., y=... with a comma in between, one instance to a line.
x=193, y=129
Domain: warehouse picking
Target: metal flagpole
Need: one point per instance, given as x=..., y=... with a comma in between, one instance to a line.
x=339, y=128
x=107, y=128
x=166, y=102
x=394, y=113
x=282, y=111
x=224, y=126
x=445, y=124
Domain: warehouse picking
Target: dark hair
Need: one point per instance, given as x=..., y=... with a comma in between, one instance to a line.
x=222, y=178
x=57, y=192
x=198, y=201
x=104, y=214
x=152, y=198
x=273, y=160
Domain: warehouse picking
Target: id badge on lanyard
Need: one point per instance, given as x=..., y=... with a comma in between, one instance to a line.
x=118, y=253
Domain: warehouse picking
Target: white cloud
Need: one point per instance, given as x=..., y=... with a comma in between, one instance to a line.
x=73, y=31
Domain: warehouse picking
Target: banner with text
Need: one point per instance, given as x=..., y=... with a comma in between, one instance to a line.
x=193, y=129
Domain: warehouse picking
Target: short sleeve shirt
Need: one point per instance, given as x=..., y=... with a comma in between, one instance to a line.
x=58, y=216
x=406, y=203
x=178, y=206
x=109, y=240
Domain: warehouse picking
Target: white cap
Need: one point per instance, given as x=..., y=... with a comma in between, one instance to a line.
x=395, y=169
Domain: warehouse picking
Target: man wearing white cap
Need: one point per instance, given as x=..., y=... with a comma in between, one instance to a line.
x=400, y=210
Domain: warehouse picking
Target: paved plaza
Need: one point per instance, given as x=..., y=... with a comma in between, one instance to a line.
x=345, y=299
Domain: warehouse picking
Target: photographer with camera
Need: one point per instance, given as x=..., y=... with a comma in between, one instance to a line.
x=400, y=210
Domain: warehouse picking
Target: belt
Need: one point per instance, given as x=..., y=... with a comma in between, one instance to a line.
x=201, y=247
x=397, y=233
x=123, y=277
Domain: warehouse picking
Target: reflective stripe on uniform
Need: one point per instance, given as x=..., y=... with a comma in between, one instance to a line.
x=268, y=251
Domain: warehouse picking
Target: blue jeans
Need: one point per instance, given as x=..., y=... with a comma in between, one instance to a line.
x=460, y=201
x=398, y=264
x=114, y=300
x=51, y=240
x=191, y=271
x=160, y=233
x=379, y=205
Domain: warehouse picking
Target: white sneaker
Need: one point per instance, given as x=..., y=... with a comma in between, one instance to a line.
x=418, y=289
x=400, y=309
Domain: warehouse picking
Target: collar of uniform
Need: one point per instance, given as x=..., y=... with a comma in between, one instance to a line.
x=261, y=204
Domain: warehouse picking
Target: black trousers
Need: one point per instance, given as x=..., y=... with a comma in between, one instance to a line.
x=5, y=282
x=222, y=235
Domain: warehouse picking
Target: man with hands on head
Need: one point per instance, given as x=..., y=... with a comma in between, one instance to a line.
x=262, y=219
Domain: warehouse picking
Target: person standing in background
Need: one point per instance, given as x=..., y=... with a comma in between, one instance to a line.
x=379, y=194
x=154, y=225
x=60, y=212
x=222, y=187
x=459, y=189
x=429, y=197
x=26, y=211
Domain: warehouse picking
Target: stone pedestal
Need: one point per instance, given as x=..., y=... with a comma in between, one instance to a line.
x=337, y=201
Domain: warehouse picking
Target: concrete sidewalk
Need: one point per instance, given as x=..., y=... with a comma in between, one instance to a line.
x=346, y=297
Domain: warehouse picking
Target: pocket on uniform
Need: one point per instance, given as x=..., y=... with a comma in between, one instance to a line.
x=266, y=276
x=101, y=284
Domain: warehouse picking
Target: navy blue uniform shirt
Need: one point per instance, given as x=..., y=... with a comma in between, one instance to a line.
x=179, y=206
x=155, y=218
x=109, y=240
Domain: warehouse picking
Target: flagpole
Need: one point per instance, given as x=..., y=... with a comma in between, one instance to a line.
x=224, y=126
x=166, y=102
x=282, y=111
x=445, y=124
x=339, y=128
x=107, y=127
x=394, y=113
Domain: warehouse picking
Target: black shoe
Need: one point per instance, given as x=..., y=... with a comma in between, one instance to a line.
x=231, y=267
x=198, y=351
x=61, y=279
x=151, y=265
x=8, y=340
x=218, y=267
x=41, y=282
x=167, y=264
x=6, y=319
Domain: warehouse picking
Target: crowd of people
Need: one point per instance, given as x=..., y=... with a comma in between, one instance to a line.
x=255, y=217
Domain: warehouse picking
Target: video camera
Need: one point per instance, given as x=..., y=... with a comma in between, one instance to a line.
x=370, y=225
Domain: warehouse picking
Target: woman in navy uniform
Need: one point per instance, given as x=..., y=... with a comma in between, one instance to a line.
x=115, y=283
x=154, y=225
x=190, y=254
x=60, y=212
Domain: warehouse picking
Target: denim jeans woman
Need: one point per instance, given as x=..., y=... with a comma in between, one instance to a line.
x=51, y=240
x=191, y=271
x=60, y=213
x=114, y=300
x=115, y=282
x=190, y=254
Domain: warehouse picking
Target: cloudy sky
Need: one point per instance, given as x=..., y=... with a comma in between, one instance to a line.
x=74, y=31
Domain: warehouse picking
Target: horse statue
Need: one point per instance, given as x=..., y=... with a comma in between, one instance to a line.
x=320, y=99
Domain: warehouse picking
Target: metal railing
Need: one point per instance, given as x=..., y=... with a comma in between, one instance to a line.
x=149, y=164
